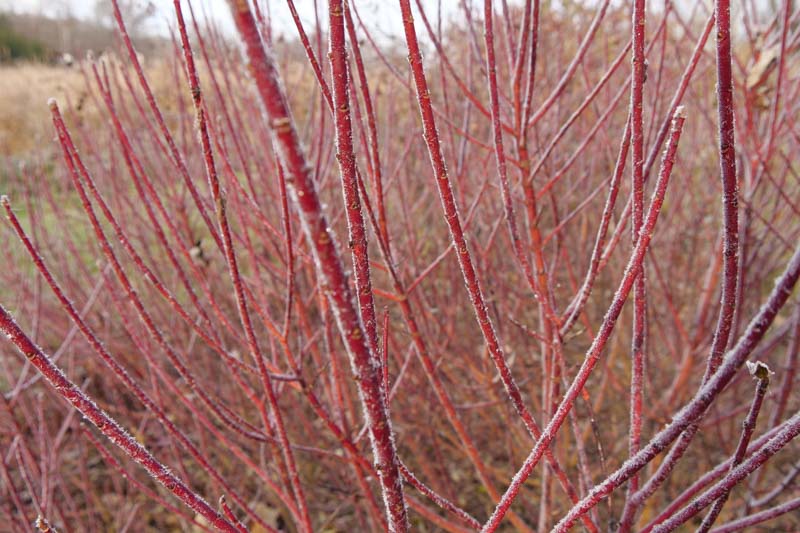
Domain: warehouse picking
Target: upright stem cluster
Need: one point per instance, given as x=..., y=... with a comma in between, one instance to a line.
x=492, y=247
x=364, y=362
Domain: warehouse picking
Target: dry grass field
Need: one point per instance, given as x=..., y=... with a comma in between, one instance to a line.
x=25, y=125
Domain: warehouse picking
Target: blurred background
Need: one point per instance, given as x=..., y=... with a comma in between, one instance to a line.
x=42, y=41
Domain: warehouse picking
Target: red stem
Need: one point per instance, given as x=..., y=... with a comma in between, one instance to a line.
x=639, y=289
x=760, y=372
x=107, y=425
x=236, y=279
x=703, y=398
x=365, y=364
x=593, y=354
x=730, y=225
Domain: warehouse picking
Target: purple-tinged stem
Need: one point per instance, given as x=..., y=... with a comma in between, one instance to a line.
x=107, y=425
x=761, y=372
x=789, y=430
x=758, y=518
x=703, y=398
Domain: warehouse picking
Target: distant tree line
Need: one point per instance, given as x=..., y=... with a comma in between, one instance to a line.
x=16, y=46
x=41, y=38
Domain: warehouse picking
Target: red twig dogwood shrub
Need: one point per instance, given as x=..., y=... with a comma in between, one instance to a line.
x=530, y=268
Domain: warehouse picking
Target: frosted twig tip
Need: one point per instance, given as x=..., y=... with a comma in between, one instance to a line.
x=43, y=525
x=758, y=369
x=52, y=103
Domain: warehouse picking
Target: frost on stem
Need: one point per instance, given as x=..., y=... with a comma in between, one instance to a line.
x=107, y=425
x=609, y=322
x=329, y=267
x=44, y=526
x=692, y=411
x=557, y=167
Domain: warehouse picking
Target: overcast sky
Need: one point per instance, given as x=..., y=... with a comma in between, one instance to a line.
x=384, y=15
